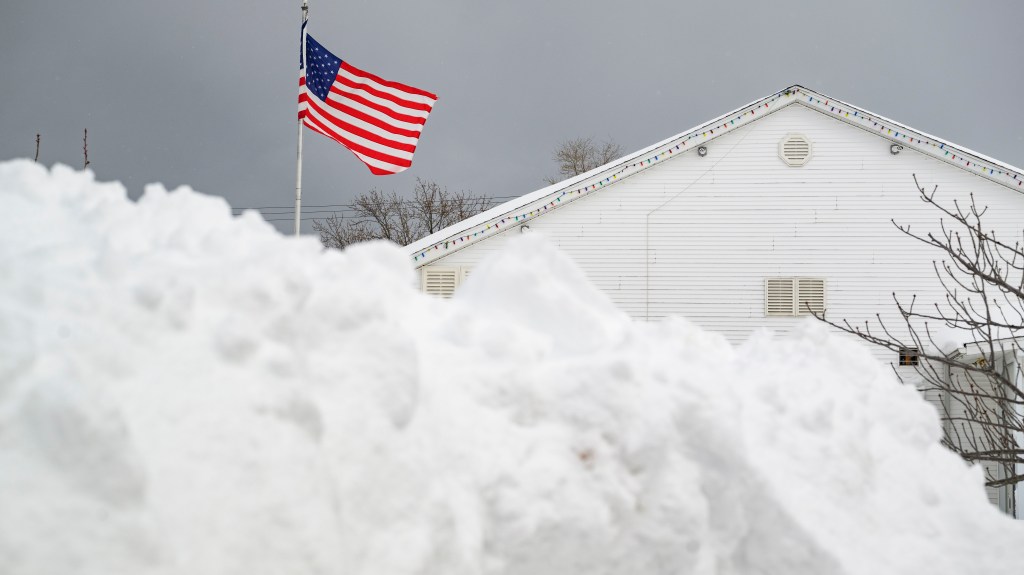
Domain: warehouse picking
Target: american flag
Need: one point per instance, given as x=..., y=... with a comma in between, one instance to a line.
x=377, y=120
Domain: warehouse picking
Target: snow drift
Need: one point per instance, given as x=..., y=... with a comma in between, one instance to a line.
x=183, y=392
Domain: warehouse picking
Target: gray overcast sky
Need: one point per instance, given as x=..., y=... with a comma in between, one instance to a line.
x=204, y=93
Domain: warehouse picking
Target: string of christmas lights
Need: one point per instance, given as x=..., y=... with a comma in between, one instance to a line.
x=679, y=144
x=572, y=194
x=894, y=131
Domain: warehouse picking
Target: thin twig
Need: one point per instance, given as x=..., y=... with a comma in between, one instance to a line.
x=85, y=148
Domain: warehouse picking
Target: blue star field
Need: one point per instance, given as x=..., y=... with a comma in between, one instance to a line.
x=321, y=68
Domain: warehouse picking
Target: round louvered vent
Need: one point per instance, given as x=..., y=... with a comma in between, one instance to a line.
x=795, y=150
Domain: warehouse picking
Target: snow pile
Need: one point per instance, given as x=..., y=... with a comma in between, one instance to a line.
x=183, y=392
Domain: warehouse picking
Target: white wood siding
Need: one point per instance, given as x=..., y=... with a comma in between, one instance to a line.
x=697, y=236
x=970, y=433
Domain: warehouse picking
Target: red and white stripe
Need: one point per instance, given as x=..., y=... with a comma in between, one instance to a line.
x=377, y=120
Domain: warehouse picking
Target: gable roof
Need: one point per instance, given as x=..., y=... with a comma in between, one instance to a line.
x=529, y=206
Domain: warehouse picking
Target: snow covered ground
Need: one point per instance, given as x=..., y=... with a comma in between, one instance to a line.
x=182, y=392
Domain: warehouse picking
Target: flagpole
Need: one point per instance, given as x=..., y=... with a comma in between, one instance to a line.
x=298, y=154
x=298, y=182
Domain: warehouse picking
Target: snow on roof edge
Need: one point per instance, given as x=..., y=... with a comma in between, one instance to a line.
x=515, y=204
x=456, y=232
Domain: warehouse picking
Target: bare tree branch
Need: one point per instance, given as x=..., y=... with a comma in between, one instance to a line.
x=983, y=277
x=400, y=220
x=580, y=155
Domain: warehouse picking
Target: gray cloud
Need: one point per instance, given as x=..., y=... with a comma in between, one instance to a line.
x=203, y=93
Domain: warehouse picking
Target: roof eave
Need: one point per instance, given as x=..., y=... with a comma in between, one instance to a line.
x=534, y=204
x=454, y=237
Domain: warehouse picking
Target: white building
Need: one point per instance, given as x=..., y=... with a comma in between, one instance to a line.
x=740, y=223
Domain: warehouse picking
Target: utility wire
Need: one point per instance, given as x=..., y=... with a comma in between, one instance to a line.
x=353, y=206
x=290, y=219
x=285, y=213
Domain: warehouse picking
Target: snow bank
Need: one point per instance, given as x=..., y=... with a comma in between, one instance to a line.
x=183, y=392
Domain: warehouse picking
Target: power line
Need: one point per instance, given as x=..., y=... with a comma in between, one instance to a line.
x=293, y=207
x=285, y=213
x=351, y=206
x=290, y=219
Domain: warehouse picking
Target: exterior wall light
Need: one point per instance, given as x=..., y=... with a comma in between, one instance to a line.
x=895, y=149
x=524, y=229
x=702, y=151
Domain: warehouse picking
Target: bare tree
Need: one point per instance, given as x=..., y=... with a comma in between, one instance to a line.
x=580, y=155
x=983, y=279
x=37, y=148
x=402, y=220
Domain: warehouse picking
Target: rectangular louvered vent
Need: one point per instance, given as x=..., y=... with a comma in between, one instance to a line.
x=810, y=296
x=794, y=296
x=442, y=281
x=778, y=296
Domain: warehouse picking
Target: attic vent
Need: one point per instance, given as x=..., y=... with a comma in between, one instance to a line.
x=442, y=281
x=795, y=150
x=794, y=296
x=810, y=296
x=778, y=296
